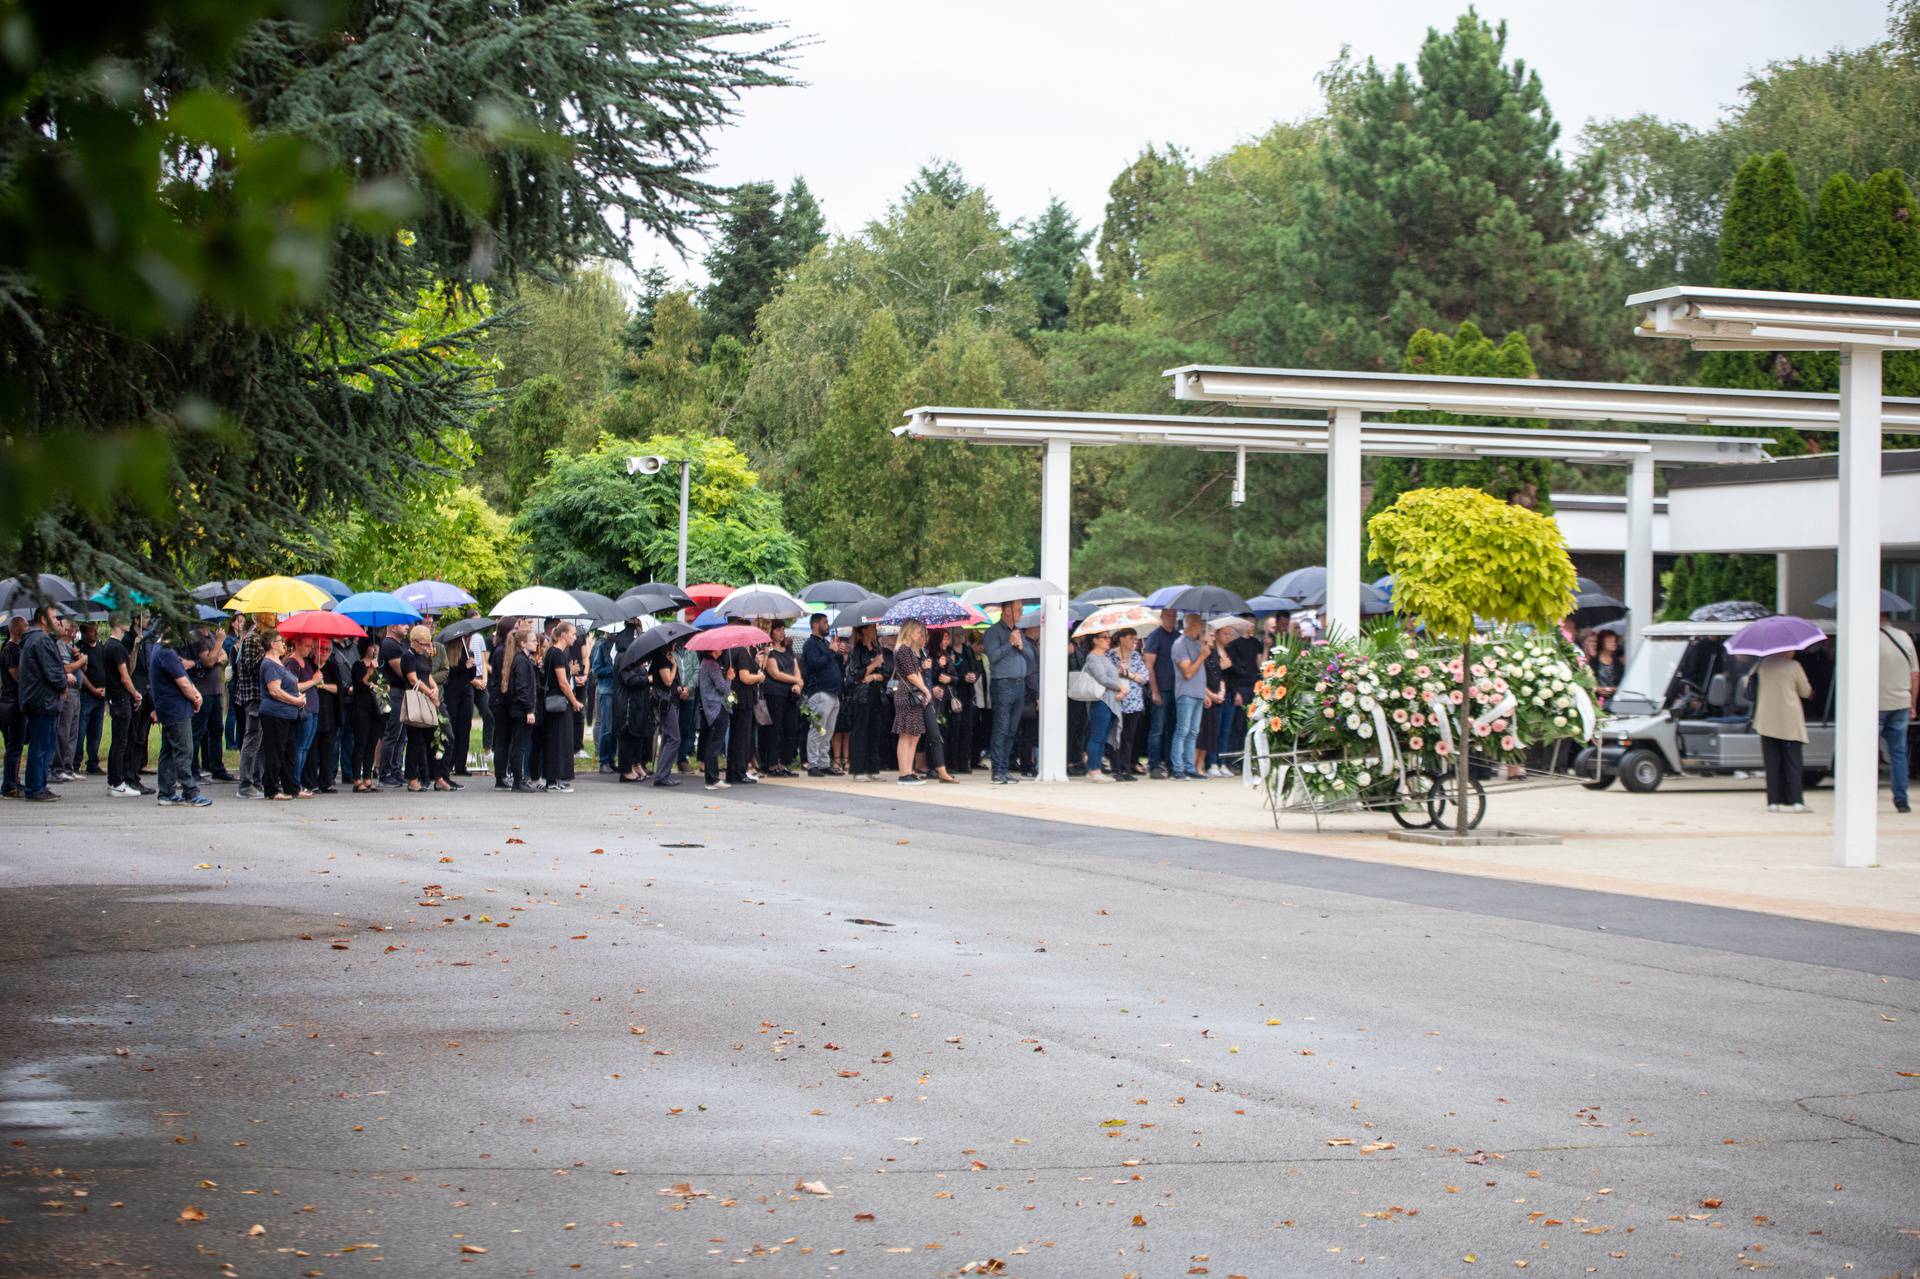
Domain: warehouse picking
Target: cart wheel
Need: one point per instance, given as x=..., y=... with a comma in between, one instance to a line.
x=1440, y=803
x=1411, y=802
x=1601, y=783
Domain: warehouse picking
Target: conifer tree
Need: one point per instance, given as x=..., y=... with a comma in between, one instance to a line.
x=802, y=225
x=745, y=264
x=1046, y=257
x=1763, y=245
x=1135, y=201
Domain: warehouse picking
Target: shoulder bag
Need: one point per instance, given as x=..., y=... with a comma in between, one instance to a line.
x=417, y=710
x=1082, y=687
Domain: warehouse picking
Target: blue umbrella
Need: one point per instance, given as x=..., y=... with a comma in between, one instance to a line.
x=331, y=585
x=1164, y=597
x=1384, y=585
x=1889, y=602
x=708, y=620
x=431, y=596
x=932, y=610
x=208, y=613
x=1272, y=604
x=377, y=608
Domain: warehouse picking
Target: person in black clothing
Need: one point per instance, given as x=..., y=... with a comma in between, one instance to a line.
x=139, y=650
x=869, y=666
x=517, y=714
x=962, y=709
x=206, y=660
x=457, y=696
x=746, y=670
x=630, y=721
x=393, y=733
x=562, y=705
x=667, y=694
x=111, y=673
x=1246, y=653
x=363, y=712
x=12, y=722
x=780, y=735
x=328, y=702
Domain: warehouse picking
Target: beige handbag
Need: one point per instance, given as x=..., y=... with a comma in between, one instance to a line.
x=417, y=710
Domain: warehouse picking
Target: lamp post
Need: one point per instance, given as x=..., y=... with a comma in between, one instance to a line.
x=650, y=465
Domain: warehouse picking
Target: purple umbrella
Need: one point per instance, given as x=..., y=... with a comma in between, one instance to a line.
x=932, y=610
x=1770, y=635
x=430, y=596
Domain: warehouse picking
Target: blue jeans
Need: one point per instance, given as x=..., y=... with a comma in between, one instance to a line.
x=1008, y=697
x=1893, y=731
x=93, y=720
x=1186, y=734
x=1224, y=715
x=236, y=721
x=1099, y=723
x=303, y=730
x=41, y=730
x=1159, y=729
x=605, y=739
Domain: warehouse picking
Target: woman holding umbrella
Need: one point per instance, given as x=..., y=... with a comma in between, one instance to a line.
x=364, y=713
x=910, y=698
x=1778, y=715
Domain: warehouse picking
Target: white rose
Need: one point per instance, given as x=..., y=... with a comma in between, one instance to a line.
x=1366, y=730
x=1346, y=699
x=1353, y=721
x=1365, y=778
x=1559, y=721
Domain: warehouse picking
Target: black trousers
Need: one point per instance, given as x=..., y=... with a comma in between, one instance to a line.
x=320, y=759
x=459, y=703
x=419, y=754
x=120, y=744
x=276, y=756
x=137, y=744
x=863, y=736
x=711, y=732
x=960, y=752
x=740, y=739
x=1026, y=743
x=1126, y=760
x=366, y=738
x=780, y=740
x=667, y=716
x=557, y=765
x=486, y=708
x=933, y=742
x=1785, y=774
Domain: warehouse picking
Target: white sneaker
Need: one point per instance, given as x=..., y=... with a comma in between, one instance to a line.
x=1774, y=808
x=123, y=790
x=1796, y=808
x=720, y=786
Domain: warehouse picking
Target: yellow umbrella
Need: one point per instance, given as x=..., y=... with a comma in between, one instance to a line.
x=278, y=595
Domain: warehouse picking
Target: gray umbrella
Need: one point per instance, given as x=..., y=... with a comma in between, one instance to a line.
x=1209, y=599
x=865, y=612
x=833, y=591
x=1730, y=611
x=1105, y=595
x=761, y=604
x=1005, y=590
x=598, y=609
x=1889, y=602
x=461, y=629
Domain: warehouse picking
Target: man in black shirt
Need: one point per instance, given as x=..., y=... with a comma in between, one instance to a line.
x=393, y=648
x=12, y=722
x=112, y=673
x=93, y=698
x=206, y=660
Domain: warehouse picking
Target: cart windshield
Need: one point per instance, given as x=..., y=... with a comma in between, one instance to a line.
x=1643, y=687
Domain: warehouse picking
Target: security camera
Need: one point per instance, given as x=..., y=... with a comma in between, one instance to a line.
x=645, y=465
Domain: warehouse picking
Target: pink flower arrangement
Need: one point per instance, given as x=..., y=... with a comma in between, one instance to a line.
x=1442, y=748
x=1509, y=743
x=1416, y=742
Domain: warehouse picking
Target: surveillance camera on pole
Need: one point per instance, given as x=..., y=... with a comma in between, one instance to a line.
x=649, y=465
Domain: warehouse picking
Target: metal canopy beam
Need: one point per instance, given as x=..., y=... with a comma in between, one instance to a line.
x=1324, y=391
x=1750, y=320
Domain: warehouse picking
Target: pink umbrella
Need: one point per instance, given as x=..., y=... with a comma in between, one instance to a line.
x=725, y=637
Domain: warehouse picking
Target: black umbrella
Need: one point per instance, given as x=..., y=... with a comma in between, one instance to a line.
x=675, y=597
x=461, y=629
x=1209, y=599
x=220, y=590
x=833, y=591
x=1591, y=605
x=652, y=642
x=1730, y=611
x=642, y=600
x=912, y=591
x=598, y=608
x=19, y=592
x=865, y=612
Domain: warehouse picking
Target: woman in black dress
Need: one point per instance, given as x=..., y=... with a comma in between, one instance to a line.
x=562, y=705
x=910, y=698
x=866, y=676
x=365, y=713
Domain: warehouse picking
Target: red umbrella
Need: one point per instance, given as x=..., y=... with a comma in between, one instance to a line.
x=707, y=594
x=314, y=624
x=724, y=637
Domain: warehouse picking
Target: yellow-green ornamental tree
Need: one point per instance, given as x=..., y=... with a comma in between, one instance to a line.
x=1457, y=554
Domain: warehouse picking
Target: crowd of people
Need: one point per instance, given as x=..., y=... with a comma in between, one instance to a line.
x=311, y=716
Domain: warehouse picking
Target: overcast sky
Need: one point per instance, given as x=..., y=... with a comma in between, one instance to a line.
x=1037, y=98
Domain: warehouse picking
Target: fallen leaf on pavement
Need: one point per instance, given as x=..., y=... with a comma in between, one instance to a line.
x=814, y=1188
x=193, y=1212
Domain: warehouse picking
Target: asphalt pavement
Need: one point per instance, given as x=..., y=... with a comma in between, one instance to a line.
x=779, y=1032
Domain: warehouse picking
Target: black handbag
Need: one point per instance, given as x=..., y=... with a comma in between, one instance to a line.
x=555, y=703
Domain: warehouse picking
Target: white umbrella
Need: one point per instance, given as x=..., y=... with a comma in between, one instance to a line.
x=758, y=586
x=1119, y=617
x=538, y=601
x=760, y=600
x=1007, y=589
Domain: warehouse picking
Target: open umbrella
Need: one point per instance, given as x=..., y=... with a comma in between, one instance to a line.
x=724, y=637
x=219, y=589
x=932, y=610
x=208, y=613
x=1164, y=597
x=1119, y=617
x=331, y=585
x=709, y=619
x=1272, y=604
x=1889, y=602
x=1730, y=611
x=1300, y=583
x=106, y=597
x=1208, y=599
x=707, y=594
x=318, y=624
x=1103, y=595
x=666, y=590
x=19, y=592
x=431, y=595
x=1591, y=605
x=760, y=600
x=960, y=586
x=642, y=600
x=377, y=608
x=1006, y=589
x=537, y=601
x=461, y=629
x=866, y=612
x=834, y=591
x=1372, y=599
x=912, y=591
x=598, y=609
x=653, y=641
x=279, y=595
x=1770, y=635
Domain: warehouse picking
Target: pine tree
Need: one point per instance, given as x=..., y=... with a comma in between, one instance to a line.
x=1763, y=245
x=745, y=265
x=802, y=226
x=654, y=285
x=1136, y=199
x=1445, y=199
x=1046, y=258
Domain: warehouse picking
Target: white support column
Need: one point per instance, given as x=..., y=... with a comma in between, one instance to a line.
x=1856, y=773
x=1639, y=549
x=1056, y=498
x=1343, y=523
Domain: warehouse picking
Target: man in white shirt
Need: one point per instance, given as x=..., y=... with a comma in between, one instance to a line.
x=1899, y=698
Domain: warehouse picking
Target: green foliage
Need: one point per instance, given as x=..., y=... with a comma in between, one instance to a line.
x=1136, y=200
x=537, y=421
x=1457, y=554
x=680, y=385
x=1444, y=200
x=655, y=283
x=189, y=192
x=591, y=526
x=1046, y=254
x=1664, y=185
x=1466, y=353
x=1707, y=579
x=569, y=330
x=445, y=531
x=758, y=244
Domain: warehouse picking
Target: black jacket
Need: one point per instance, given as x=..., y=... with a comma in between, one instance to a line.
x=43, y=679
